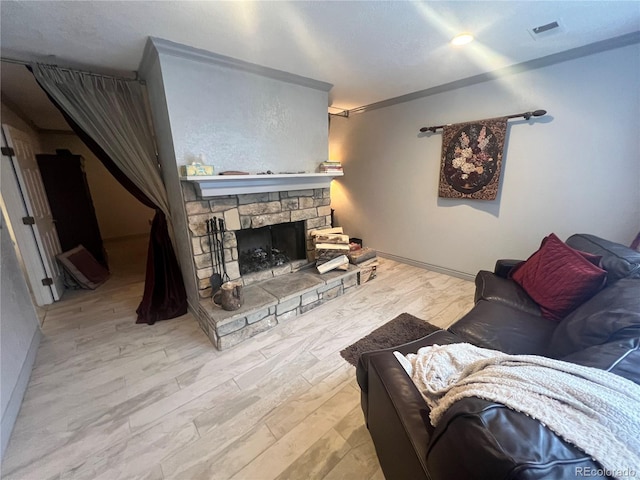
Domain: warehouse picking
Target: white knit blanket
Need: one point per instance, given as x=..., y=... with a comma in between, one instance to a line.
x=597, y=411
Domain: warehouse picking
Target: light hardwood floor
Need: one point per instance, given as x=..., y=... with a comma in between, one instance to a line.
x=109, y=399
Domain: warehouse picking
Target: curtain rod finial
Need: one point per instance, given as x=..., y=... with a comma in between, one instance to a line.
x=536, y=113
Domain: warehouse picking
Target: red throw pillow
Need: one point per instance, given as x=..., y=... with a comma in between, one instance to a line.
x=559, y=278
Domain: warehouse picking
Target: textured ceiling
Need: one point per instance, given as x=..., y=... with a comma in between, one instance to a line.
x=370, y=51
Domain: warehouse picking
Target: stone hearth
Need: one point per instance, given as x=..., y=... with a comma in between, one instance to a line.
x=270, y=302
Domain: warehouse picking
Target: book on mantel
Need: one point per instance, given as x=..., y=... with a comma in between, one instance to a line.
x=329, y=167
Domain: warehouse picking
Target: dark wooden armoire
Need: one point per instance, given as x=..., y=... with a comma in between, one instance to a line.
x=72, y=208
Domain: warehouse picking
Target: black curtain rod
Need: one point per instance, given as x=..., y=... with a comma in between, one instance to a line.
x=28, y=64
x=525, y=115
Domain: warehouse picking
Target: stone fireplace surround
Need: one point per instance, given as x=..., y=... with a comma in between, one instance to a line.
x=270, y=295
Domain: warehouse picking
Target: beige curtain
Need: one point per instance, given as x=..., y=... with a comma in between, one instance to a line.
x=109, y=115
x=112, y=112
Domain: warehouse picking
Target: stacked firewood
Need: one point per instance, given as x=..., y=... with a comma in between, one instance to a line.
x=331, y=249
x=365, y=258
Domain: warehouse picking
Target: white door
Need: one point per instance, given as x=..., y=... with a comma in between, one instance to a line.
x=26, y=199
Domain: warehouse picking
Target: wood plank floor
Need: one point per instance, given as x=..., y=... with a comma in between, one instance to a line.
x=109, y=399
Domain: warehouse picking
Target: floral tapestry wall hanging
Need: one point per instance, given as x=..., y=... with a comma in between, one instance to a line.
x=472, y=159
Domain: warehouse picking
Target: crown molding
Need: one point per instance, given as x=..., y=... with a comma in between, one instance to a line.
x=574, y=53
x=156, y=46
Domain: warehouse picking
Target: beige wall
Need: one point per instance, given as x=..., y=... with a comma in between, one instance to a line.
x=19, y=334
x=575, y=170
x=9, y=117
x=19, y=331
x=119, y=213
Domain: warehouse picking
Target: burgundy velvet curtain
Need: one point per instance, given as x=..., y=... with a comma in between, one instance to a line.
x=164, y=295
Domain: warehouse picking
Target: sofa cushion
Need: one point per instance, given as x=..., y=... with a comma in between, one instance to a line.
x=621, y=357
x=492, y=287
x=558, y=278
x=619, y=261
x=497, y=326
x=612, y=314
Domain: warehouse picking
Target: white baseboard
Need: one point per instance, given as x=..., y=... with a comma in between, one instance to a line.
x=428, y=266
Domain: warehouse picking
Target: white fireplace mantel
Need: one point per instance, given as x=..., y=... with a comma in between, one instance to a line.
x=217, y=185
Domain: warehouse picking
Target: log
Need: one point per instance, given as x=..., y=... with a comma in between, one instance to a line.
x=333, y=246
x=358, y=256
x=328, y=251
x=335, y=263
x=332, y=238
x=325, y=231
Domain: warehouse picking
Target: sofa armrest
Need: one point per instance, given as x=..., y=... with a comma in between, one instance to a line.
x=504, y=266
x=440, y=337
x=480, y=439
x=398, y=419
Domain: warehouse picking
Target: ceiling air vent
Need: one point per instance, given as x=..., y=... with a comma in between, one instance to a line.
x=546, y=30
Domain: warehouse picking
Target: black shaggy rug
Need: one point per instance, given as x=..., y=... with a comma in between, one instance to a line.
x=402, y=329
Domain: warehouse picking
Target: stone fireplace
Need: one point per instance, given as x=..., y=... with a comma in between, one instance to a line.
x=264, y=120
x=253, y=213
x=275, y=224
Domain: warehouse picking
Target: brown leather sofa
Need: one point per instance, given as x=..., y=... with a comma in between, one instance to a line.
x=480, y=439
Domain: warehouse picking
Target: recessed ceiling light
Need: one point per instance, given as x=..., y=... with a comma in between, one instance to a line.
x=462, y=39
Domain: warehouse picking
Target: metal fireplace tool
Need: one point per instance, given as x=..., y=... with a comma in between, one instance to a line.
x=223, y=230
x=215, y=231
x=216, y=278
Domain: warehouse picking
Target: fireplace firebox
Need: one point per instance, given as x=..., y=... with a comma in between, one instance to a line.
x=271, y=246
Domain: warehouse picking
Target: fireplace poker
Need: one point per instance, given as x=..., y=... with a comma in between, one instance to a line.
x=223, y=229
x=220, y=248
x=215, y=246
x=216, y=278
